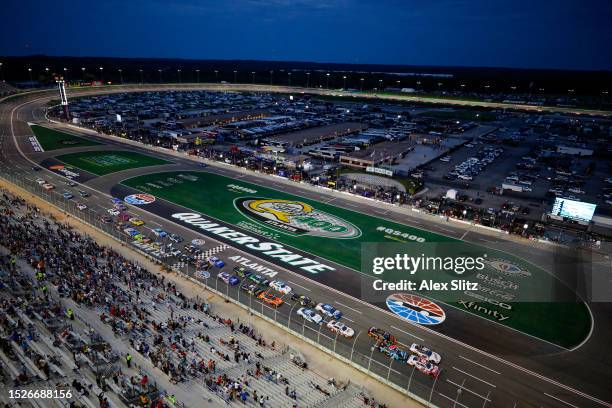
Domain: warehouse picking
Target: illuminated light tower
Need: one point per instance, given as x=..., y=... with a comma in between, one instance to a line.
x=308, y=80
x=61, y=85
x=289, y=78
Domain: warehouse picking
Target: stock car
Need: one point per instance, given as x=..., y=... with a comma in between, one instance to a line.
x=175, y=238
x=84, y=194
x=252, y=289
x=48, y=186
x=81, y=206
x=280, y=286
x=270, y=299
x=40, y=181
x=381, y=336
x=341, y=328
x=105, y=219
x=116, y=200
x=213, y=260
x=304, y=300
x=242, y=272
x=424, y=352
x=120, y=207
x=113, y=211
x=310, y=315
x=394, y=352
x=158, y=232
x=328, y=310
x=259, y=280
x=227, y=278
x=67, y=195
x=136, y=221
x=423, y=365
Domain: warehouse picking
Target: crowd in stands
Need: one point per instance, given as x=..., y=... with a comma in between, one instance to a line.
x=79, y=316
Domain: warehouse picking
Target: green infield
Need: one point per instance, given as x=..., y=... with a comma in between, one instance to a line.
x=51, y=139
x=508, y=285
x=109, y=161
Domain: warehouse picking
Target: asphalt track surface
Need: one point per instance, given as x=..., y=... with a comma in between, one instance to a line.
x=513, y=370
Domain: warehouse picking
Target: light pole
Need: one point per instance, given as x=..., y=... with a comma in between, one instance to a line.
x=178, y=71
x=361, y=80
x=160, y=75
x=344, y=82
x=380, y=84
x=253, y=76
x=66, y=74
x=141, y=76
x=308, y=80
x=327, y=80
x=30, y=73
x=83, y=71
x=216, y=76
x=289, y=78
x=120, y=76
x=235, y=76
x=271, y=76
x=102, y=75
x=2, y=72
x=198, y=75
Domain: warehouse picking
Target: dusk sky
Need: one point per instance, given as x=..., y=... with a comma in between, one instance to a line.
x=568, y=34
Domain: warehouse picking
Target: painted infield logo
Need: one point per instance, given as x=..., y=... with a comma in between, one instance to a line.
x=139, y=199
x=509, y=269
x=416, y=309
x=296, y=217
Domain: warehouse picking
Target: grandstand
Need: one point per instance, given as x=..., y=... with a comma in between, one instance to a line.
x=78, y=316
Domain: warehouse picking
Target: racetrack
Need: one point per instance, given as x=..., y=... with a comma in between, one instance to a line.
x=502, y=378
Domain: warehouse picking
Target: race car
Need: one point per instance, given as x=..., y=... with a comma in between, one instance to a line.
x=280, y=286
x=304, y=300
x=132, y=232
x=423, y=365
x=105, y=219
x=84, y=194
x=158, y=232
x=213, y=260
x=341, y=328
x=310, y=315
x=252, y=289
x=113, y=211
x=259, y=280
x=175, y=238
x=270, y=299
x=227, y=278
x=424, y=352
x=67, y=195
x=192, y=249
x=71, y=183
x=48, y=186
x=381, y=335
x=40, y=181
x=81, y=206
x=242, y=272
x=394, y=352
x=137, y=222
x=328, y=310
x=116, y=200
x=120, y=207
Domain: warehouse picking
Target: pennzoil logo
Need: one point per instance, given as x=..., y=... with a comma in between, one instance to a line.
x=296, y=217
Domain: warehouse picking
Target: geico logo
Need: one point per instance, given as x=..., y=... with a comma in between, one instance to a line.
x=488, y=300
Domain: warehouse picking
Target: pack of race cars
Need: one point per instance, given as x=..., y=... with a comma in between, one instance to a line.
x=272, y=292
x=420, y=357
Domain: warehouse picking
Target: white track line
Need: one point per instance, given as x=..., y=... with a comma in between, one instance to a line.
x=560, y=400
x=463, y=387
x=478, y=364
x=474, y=377
x=348, y=307
x=297, y=284
x=453, y=400
x=409, y=334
